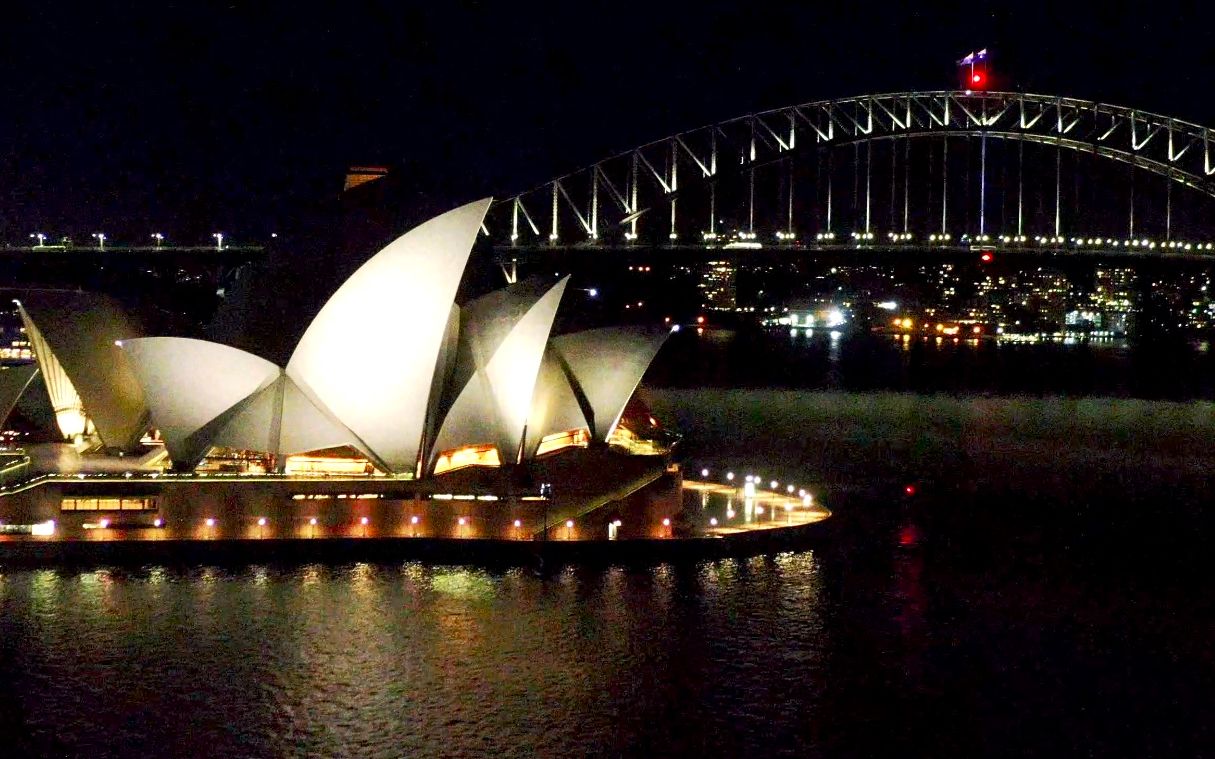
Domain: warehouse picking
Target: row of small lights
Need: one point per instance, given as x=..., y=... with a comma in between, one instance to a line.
x=859, y=236
x=773, y=485
x=157, y=239
x=210, y=522
x=1007, y=239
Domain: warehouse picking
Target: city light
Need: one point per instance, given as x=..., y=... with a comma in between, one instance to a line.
x=43, y=529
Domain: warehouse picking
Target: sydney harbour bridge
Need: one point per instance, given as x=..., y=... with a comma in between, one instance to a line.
x=902, y=172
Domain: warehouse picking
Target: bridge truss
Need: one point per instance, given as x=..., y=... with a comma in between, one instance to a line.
x=990, y=177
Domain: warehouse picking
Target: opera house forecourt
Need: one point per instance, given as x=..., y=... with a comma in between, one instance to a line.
x=399, y=414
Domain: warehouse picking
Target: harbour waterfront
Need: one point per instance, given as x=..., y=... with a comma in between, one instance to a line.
x=1031, y=596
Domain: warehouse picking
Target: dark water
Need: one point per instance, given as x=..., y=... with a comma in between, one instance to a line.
x=861, y=362
x=1046, y=592
x=881, y=643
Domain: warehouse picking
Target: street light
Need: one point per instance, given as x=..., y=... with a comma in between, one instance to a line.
x=41, y=238
x=158, y=237
x=100, y=238
x=219, y=240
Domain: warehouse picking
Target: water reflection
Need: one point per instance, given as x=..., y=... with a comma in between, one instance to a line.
x=399, y=660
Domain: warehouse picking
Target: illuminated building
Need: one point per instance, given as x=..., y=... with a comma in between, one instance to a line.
x=718, y=286
x=390, y=377
x=398, y=413
x=361, y=175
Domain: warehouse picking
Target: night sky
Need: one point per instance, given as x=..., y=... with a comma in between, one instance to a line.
x=190, y=117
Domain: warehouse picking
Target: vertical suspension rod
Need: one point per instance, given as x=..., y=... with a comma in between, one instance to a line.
x=633, y=196
x=894, y=172
x=830, y=163
x=712, y=183
x=856, y=181
x=906, y=184
x=868, y=181
x=1058, y=196
x=1131, y=226
x=1020, y=185
x=983, y=184
x=751, y=199
x=789, y=220
x=1168, y=206
x=944, y=185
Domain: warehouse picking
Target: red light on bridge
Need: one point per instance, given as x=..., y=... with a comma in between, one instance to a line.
x=986, y=257
x=909, y=490
x=976, y=78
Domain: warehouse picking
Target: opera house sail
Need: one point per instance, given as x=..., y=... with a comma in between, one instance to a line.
x=205, y=394
x=500, y=346
x=392, y=315
x=89, y=380
x=586, y=379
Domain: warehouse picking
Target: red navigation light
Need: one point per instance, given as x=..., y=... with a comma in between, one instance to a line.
x=986, y=257
x=972, y=71
x=909, y=490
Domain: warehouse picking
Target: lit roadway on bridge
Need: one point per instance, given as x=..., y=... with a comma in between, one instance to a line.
x=233, y=251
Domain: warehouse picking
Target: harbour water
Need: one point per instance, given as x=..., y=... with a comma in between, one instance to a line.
x=1041, y=592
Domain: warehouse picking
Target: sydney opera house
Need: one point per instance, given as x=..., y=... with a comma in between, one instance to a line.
x=399, y=413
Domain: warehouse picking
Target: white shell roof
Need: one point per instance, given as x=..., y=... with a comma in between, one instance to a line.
x=370, y=355
x=80, y=330
x=501, y=345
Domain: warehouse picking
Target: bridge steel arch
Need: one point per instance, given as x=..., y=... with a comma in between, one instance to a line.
x=609, y=199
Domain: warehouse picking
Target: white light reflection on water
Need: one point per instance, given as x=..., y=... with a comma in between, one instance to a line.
x=374, y=660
